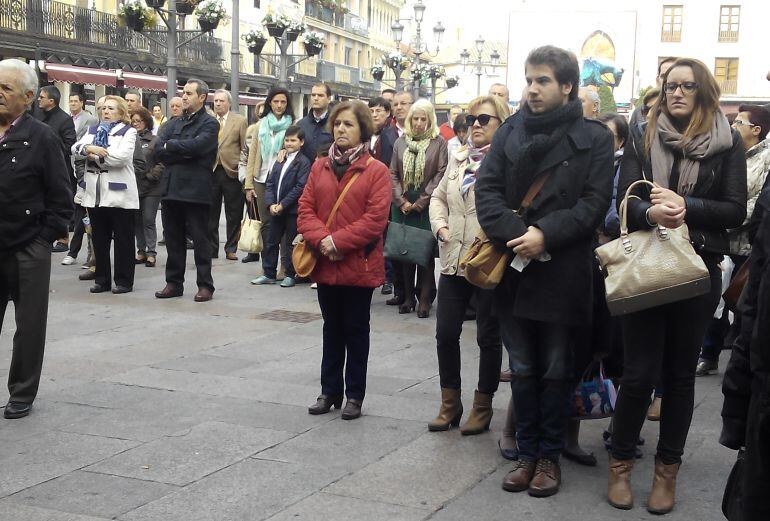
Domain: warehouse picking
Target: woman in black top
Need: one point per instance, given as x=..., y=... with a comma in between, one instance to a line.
x=689, y=150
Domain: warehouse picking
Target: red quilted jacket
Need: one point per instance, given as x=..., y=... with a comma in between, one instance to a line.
x=357, y=227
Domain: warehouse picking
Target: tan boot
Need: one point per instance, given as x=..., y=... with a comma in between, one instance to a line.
x=661, y=500
x=653, y=411
x=480, y=416
x=450, y=413
x=619, y=484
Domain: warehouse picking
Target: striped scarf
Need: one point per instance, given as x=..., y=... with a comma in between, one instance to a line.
x=475, y=156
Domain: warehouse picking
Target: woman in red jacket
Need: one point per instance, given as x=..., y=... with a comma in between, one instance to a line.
x=350, y=262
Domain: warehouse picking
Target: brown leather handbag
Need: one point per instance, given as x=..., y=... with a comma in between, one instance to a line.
x=734, y=290
x=484, y=263
x=304, y=256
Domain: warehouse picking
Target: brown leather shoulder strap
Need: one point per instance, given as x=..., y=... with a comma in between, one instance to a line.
x=341, y=197
x=534, y=189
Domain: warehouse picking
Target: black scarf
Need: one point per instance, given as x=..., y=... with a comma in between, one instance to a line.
x=541, y=133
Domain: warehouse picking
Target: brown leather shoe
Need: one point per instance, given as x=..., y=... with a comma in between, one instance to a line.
x=505, y=376
x=517, y=480
x=170, y=291
x=231, y=256
x=352, y=409
x=546, y=480
x=662, y=496
x=480, y=417
x=619, y=484
x=203, y=295
x=450, y=412
x=324, y=404
x=653, y=412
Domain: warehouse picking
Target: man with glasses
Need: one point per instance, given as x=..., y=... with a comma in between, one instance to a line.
x=402, y=102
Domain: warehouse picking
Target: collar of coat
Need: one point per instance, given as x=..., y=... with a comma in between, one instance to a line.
x=358, y=165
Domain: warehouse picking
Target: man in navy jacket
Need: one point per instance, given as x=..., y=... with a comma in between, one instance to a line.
x=317, y=136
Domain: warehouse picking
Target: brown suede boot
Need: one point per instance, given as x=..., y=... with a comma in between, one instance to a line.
x=507, y=443
x=450, y=412
x=619, y=484
x=661, y=500
x=480, y=416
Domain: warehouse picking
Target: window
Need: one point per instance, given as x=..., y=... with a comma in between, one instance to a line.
x=729, y=21
x=348, y=52
x=726, y=74
x=671, y=29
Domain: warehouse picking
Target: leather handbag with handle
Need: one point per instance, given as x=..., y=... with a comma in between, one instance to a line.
x=409, y=244
x=250, y=239
x=304, y=257
x=484, y=263
x=733, y=293
x=651, y=267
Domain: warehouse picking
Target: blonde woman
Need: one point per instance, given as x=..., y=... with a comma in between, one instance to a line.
x=418, y=164
x=109, y=193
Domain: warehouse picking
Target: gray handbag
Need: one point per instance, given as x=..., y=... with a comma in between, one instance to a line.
x=409, y=244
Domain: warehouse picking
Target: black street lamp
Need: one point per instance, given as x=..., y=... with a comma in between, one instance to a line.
x=479, y=65
x=419, y=46
x=282, y=61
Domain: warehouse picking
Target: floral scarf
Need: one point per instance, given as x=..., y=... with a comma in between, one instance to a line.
x=271, y=133
x=346, y=157
x=414, y=159
x=102, y=134
x=475, y=156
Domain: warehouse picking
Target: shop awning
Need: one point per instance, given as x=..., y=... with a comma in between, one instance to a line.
x=138, y=80
x=82, y=75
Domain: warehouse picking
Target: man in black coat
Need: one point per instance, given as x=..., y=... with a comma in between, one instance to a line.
x=35, y=207
x=187, y=146
x=317, y=134
x=543, y=302
x=64, y=128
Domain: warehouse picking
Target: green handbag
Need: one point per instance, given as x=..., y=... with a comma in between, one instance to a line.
x=409, y=244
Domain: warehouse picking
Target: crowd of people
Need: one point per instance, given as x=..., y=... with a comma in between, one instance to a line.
x=543, y=184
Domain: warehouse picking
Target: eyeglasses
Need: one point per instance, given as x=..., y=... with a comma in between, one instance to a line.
x=483, y=119
x=688, y=87
x=740, y=123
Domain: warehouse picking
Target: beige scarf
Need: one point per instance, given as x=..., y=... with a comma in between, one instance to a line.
x=668, y=141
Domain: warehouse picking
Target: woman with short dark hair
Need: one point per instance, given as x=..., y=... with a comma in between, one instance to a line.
x=349, y=245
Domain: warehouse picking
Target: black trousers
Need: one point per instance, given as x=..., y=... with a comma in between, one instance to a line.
x=425, y=290
x=118, y=224
x=283, y=229
x=662, y=343
x=345, y=310
x=229, y=189
x=181, y=220
x=79, y=230
x=454, y=296
x=25, y=278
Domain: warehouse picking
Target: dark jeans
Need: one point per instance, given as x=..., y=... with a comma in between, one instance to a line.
x=454, y=296
x=146, y=232
x=224, y=186
x=662, y=343
x=182, y=220
x=283, y=229
x=79, y=230
x=345, y=310
x=118, y=224
x=756, y=482
x=540, y=355
x=25, y=277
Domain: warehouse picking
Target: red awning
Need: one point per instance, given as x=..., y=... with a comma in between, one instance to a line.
x=83, y=75
x=139, y=80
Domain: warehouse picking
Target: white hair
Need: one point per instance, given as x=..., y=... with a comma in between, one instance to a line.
x=26, y=79
x=227, y=92
x=592, y=95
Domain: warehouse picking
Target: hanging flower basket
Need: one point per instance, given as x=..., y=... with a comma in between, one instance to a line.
x=314, y=42
x=292, y=35
x=210, y=13
x=378, y=75
x=294, y=29
x=396, y=60
x=185, y=7
x=155, y=4
x=256, y=47
x=207, y=26
x=133, y=15
x=452, y=82
x=313, y=50
x=436, y=71
x=256, y=40
x=275, y=25
x=135, y=21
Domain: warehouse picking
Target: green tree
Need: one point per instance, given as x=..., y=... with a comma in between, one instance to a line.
x=606, y=100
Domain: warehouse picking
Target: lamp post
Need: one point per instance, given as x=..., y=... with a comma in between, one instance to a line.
x=282, y=60
x=419, y=46
x=479, y=65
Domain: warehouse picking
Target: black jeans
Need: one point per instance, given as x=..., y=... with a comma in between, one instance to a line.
x=79, y=230
x=345, y=310
x=540, y=355
x=662, y=343
x=283, y=229
x=229, y=189
x=25, y=278
x=118, y=224
x=454, y=296
x=181, y=220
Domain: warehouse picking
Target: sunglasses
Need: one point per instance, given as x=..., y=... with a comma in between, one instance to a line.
x=483, y=119
x=688, y=87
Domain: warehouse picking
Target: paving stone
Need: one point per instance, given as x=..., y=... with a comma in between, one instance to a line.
x=329, y=506
x=208, y=364
x=250, y=490
x=46, y=416
x=110, y=395
x=18, y=512
x=34, y=460
x=92, y=494
x=189, y=455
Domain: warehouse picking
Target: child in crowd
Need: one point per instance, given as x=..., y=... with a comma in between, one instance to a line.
x=284, y=186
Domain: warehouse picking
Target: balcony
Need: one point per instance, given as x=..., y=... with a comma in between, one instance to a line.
x=728, y=36
x=728, y=86
x=335, y=73
x=671, y=36
x=50, y=22
x=347, y=21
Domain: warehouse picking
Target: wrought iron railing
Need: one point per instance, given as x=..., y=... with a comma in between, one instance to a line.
x=60, y=21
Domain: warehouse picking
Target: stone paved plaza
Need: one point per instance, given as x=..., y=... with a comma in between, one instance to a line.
x=156, y=410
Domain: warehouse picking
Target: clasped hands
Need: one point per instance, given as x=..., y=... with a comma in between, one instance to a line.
x=668, y=208
x=276, y=209
x=95, y=153
x=326, y=247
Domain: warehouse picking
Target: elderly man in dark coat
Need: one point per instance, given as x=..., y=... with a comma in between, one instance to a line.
x=544, y=301
x=35, y=207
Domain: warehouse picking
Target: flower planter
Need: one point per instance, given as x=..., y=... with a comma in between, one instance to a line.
x=451, y=83
x=135, y=21
x=256, y=46
x=312, y=50
x=378, y=75
x=292, y=35
x=275, y=30
x=207, y=25
x=185, y=8
x=153, y=4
